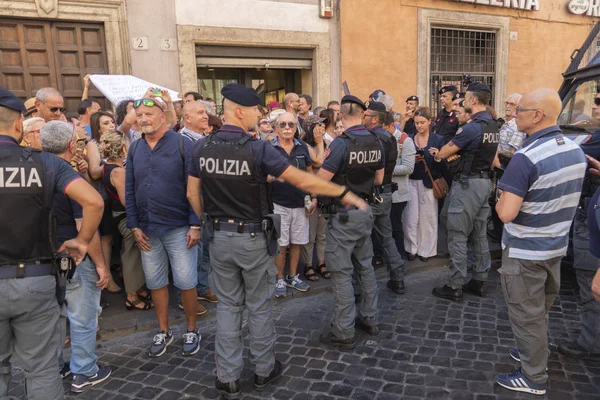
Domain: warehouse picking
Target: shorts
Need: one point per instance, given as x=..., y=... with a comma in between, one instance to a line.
x=170, y=248
x=294, y=225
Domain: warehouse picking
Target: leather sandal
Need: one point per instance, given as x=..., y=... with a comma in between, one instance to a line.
x=132, y=305
x=310, y=273
x=324, y=274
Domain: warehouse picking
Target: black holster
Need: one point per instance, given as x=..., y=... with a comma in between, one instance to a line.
x=65, y=269
x=208, y=229
x=272, y=229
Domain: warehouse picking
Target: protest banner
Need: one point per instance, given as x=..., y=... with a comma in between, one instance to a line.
x=117, y=88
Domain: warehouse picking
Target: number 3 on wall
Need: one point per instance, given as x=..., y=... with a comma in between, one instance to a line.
x=168, y=44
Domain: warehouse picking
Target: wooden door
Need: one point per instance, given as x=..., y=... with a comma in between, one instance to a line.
x=36, y=54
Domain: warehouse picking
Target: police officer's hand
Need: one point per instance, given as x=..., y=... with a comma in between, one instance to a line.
x=596, y=286
x=75, y=248
x=453, y=157
x=103, y=277
x=142, y=240
x=192, y=238
x=594, y=165
x=350, y=199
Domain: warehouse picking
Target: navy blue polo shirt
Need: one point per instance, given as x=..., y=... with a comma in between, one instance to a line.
x=267, y=160
x=469, y=137
x=336, y=154
x=283, y=193
x=593, y=217
x=66, y=212
x=156, y=185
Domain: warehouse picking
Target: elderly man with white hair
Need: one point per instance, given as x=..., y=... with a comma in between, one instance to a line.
x=50, y=104
x=91, y=275
x=511, y=138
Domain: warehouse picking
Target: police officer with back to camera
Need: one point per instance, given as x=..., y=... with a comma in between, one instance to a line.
x=446, y=123
x=467, y=208
x=354, y=159
x=227, y=182
x=29, y=316
x=382, y=204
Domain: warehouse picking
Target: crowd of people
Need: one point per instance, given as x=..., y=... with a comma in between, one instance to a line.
x=183, y=182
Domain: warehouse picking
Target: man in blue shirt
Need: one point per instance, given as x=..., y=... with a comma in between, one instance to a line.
x=163, y=224
x=541, y=190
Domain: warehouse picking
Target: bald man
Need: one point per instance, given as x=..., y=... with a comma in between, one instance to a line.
x=291, y=102
x=541, y=189
x=195, y=120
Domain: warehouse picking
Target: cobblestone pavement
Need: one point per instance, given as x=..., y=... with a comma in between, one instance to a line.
x=427, y=348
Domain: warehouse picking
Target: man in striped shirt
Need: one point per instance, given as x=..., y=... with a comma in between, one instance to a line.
x=541, y=189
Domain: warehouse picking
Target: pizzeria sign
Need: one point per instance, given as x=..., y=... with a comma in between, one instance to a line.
x=529, y=5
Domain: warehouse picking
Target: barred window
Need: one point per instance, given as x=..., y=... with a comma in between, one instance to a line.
x=456, y=52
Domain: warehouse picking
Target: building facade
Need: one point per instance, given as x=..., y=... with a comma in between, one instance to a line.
x=404, y=47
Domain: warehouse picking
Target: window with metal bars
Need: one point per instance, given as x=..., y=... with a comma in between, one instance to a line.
x=456, y=52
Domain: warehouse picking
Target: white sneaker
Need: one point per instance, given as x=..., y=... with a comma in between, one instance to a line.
x=280, y=288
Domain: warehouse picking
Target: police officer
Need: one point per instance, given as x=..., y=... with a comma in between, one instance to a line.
x=356, y=160
x=586, y=264
x=446, y=123
x=466, y=210
x=230, y=169
x=382, y=206
x=30, y=312
x=408, y=122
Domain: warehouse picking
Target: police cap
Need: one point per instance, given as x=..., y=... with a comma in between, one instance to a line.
x=412, y=98
x=478, y=87
x=10, y=101
x=458, y=96
x=349, y=99
x=375, y=95
x=241, y=94
x=449, y=88
x=376, y=106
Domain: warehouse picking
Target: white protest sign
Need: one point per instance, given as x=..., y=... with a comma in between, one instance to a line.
x=117, y=88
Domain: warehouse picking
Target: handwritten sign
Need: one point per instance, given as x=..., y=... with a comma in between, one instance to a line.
x=117, y=88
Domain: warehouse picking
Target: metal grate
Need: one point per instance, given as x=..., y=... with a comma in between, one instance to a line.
x=455, y=52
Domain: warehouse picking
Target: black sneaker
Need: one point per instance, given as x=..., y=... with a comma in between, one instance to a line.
x=229, y=390
x=161, y=341
x=446, y=292
x=478, y=288
x=261, y=382
x=191, y=342
x=396, y=286
x=367, y=324
x=332, y=340
x=573, y=349
x=65, y=370
x=82, y=383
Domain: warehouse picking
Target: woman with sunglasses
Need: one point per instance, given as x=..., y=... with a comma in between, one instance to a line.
x=31, y=132
x=114, y=147
x=100, y=123
x=421, y=213
x=315, y=129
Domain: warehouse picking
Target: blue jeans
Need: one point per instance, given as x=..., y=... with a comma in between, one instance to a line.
x=170, y=248
x=83, y=309
x=203, y=268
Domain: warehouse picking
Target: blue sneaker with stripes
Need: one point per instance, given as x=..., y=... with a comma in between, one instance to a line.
x=515, y=354
x=518, y=382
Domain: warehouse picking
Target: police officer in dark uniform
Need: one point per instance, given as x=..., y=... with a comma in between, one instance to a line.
x=355, y=159
x=382, y=205
x=227, y=182
x=412, y=103
x=587, y=345
x=446, y=123
x=29, y=316
x=466, y=209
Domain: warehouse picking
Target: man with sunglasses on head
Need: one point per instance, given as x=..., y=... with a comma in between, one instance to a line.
x=466, y=208
x=228, y=182
x=50, y=104
x=162, y=221
x=382, y=206
x=30, y=312
x=354, y=159
x=511, y=138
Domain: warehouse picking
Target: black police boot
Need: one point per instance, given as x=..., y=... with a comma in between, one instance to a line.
x=446, y=292
x=261, y=382
x=573, y=349
x=476, y=287
x=367, y=324
x=332, y=340
x=230, y=390
x=396, y=286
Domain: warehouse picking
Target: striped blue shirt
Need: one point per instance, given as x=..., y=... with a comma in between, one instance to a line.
x=548, y=174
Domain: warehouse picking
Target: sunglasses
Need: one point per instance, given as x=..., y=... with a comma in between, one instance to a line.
x=597, y=101
x=55, y=109
x=147, y=103
x=283, y=124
